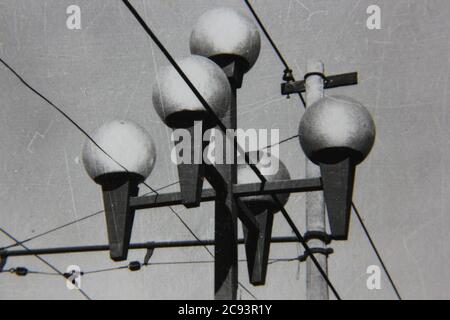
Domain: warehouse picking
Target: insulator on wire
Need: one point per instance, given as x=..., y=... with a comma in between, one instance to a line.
x=21, y=271
x=288, y=76
x=134, y=266
x=67, y=275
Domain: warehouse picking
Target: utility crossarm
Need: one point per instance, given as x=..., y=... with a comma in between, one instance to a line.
x=334, y=81
x=239, y=190
x=133, y=246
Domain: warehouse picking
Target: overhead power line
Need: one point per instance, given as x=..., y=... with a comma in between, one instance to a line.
x=266, y=33
x=73, y=222
x=51, y=266
x=65, y=115
x=278, y=143
x=51, y=230
x=374, y=247
x=141, y=264
x=288, y=71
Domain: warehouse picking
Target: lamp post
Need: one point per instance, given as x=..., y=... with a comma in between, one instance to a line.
x=178, y=107
x=336, y=133
x=316, y=287
x=262, y=209
x=231, y=40
x=332, y=133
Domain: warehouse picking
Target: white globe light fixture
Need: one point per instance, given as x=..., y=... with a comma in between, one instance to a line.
x=257, y=212
x=178, y=107
x=337, y=133
x=271, y=172
x=122, y=156
x=229, y=38
x=176, y=104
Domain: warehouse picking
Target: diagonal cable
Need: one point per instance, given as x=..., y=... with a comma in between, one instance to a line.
x=65, y=115
x=73, y=222
x=288, y=70
x=280, y=142
x=42, y=260
x=374, y=247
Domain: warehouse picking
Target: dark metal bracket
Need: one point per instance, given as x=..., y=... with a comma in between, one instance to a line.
x=334, y=81
x=149, y=254
x=239, y=190
x=135, y=246
x=246, y=216
x=191, y=175
x=338, y=179
x=119, y=215
x=257, y=247
x=257, y=235
x=3, y=260
x=320, y=235
x=324, y=251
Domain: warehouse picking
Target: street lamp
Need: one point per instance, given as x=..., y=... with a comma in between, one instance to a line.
x=337, y=133
x=179, y=108
x=120, y=155
x=263, y=208
x=229, y=38
x=174, y=101
x=232, y=41
x=265, y=163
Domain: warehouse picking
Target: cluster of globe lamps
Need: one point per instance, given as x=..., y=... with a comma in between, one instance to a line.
x=331, y=130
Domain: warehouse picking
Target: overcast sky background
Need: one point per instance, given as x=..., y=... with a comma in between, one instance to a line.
x=106, y=71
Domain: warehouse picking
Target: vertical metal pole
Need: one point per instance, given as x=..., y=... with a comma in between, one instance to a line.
x=226, y=246
x=316, y=286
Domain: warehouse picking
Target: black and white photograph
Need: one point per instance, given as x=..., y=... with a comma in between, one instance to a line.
x=206, y=150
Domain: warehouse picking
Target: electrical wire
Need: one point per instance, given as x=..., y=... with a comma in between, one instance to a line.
x=65, y=115
x=164, y=263
x=274, y=46
x=13, y=271
x=266, y=33
x=74, y=221
x=52, y=230
x=206, y=248
x=374, y=247
x=280, y=142
x=42, y=260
